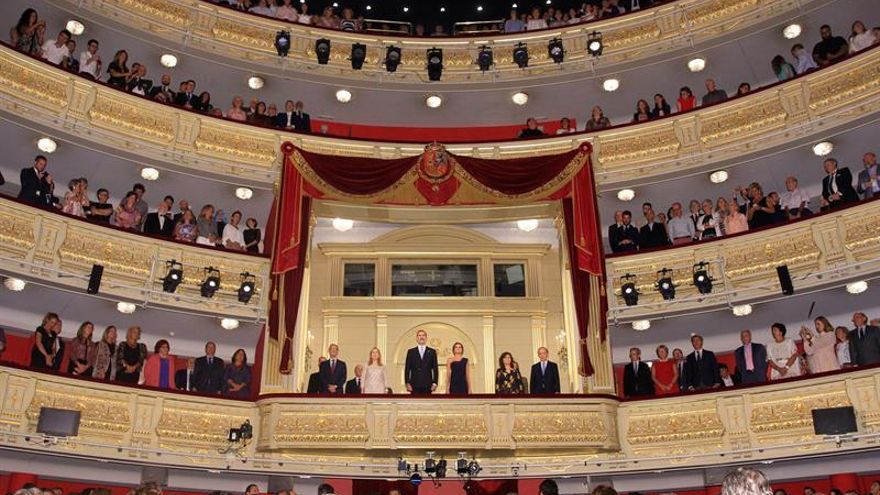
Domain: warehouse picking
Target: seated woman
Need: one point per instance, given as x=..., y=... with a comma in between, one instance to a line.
x=160, y=367
x=508, y=379
x=130, y=357
x=686, y=99
x=82, y=351
x=105, y=351
x=46, y=351
x=643, y=112
x=237, y=378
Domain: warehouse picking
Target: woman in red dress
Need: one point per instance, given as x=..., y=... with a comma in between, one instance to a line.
x=664, y=372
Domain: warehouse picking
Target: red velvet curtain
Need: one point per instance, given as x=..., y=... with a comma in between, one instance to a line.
x=580, y=283
x=516, y=175
x=359, y=176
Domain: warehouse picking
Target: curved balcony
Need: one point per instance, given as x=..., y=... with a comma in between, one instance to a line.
x=363, y=437
x=250, y=39
x=828, y=249
x=58, y=250
x=781, y=115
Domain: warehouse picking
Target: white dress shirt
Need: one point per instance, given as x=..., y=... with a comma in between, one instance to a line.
x=89, y=68
x=793, y=199
x=54, y=53
x=232, y=233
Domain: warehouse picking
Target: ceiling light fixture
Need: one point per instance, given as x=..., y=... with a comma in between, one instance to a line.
x=47, y=145
x=369, y=7
x=742, y=310
x=76, y=27
x=791, y=31
x=641, y=325
x=857, y=287
x=823, y=148
x=149, y=173
x=520, y=98
x=610, y=84
x=168, y=60
x=343, y=224
x=343, y=96
x=718, y=177
x=434, y=101
x=14, y=284
x=696, y=64
x=229, y=323
x=479, y=8
x=626, y=194
x=442, y=9
x=125, y=308
x=244, y=193
x=527, y=225
x=405, y=10
x=255, y=82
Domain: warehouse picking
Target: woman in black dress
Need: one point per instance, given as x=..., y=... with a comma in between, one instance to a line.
x=237, y=378
x=251, y=236
x=458, y=373
x=130, y=357
x=44, y=353
x=118, y=70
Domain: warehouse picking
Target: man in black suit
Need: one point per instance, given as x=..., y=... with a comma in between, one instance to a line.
x=652, y=234
x=727, y=380
x=545, y=375
x=421, y=372
x=187, y=96
x=314, y=385
x=637, y=380
x=751, y=360
x=301, y=120
x=701, y=367
x=614, y=229
x=353, y=386
x=626, y=236
x=37, y=184
x=164, y=87
x=160, y=222
x=209, y=370
x=285, y=119
x=185, y=379
x=139, y=84
x=864, y=342
x=332, y=372
x=837, y=188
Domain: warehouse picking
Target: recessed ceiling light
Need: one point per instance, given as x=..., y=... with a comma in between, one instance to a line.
x=149, y=173
x=125, y=308
x=479, y=8
x=718, y=176
x=244, y=193
x=442, y=9
x=527, y=225
x=433, y=101
x=514, y=6
x=335, y=5
x=75, y=27
x=343, y=96
x=47, y=145
x=14, y=284
x=823, y=148
x=610, y=84
x=369, y=7
x=742, y=310
x=626, y=194
x=168, y=60
x=229, y=323
x=343, y=224
x=696, y=64
x=406, y=9
x=791, y=31
x=641, y=325
x=857, y=287
x=256, y=82
x=520, y=97
x=548, y=2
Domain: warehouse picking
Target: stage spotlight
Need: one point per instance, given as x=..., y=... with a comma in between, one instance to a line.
x=430, y=464
x=246, y=289
x=435, y=63
x=211, y=282
x=665, y=285
x=485, y=59
x=594, y=44
x=702, y=280
x=358, y=55
x=392, y=58
x=521, y=55
x=173, y=277
x=322, y=51
x=555, y=51
x=282, y=43
x=628, y=290
x=461, y=464
x=474, y=468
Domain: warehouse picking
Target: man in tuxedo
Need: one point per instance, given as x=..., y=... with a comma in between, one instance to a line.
x=869, y=184
x=332, y=372
x=864, y=342
x=301, y=120
x=751, y=360
x=837, y=188
x=314, y=385
x=420, y=371
x=160, y=222
x=187, y=96
x=353, y=386
x=37, y=184
x=285, y=119
x=652, y=234
x=626, y=236
x=184, y=379
x=701, y=367
x=637, y=380
x=139, y=84
x=545, y=375
x=209, y=370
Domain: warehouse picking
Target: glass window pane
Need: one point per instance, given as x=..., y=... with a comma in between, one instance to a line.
x=359, y=280
x=510, y=280
x=434, y=280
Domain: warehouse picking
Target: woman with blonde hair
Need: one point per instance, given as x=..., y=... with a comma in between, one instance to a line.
x=82, y=351
x=105, y=365
x=375, y=378
x=820, y=350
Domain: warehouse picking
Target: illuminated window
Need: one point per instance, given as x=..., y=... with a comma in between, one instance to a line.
x=510, y=280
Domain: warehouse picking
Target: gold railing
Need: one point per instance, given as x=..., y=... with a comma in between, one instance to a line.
x=363, y=437
x=828, y=249
x=224, y=32
x=54, y=249
x=845, y=94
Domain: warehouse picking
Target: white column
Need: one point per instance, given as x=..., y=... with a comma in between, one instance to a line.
x=489, y=353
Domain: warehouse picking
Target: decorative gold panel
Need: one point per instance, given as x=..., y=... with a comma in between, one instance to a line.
x=843, y=87
x=319, y=427
x=102, y=413
x=560, y=427
x=643, y=145
x=28, y=81
x=440, y=427
x=16, y=230
x=689, y=423
x=236, y=143
x=741, y=121
x=133, y=117
x=194, y=424
x=164, y=11
x=784, y=415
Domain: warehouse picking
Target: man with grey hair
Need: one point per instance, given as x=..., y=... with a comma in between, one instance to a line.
x=745, y=481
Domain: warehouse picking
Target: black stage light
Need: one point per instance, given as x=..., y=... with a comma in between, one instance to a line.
x=702, y=280
x=521, y=55
x=461, y=464
x=430, y=465
x=247, y=431
x=358, y=55
x=435, y=63
x=555, y=50
x=211, y=282
x=474, y=468
x=628, y=290
x=594, y=44
x=485, y=59
x=440, y=471
x=665, y=285
x=246, y=289
x=234, y=435
x=173, y=277
x=392, y=58
x=322, y=51
x=282, y=43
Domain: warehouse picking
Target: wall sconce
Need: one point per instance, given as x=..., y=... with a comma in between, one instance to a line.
x=562, y=352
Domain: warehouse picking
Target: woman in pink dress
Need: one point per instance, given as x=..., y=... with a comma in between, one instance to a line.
x=664, y=372
x=820, y=349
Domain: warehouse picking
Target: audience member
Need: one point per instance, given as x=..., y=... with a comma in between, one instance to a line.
x=508, y=379
x=860, y=38
x=354, y=386
x=55, y=51
x=105, y=355
x=701, y=367
x=333, y=372
x=745, y=481
x=565, y=126
x=743, y=89
x=160, y=222
x=252, y=236
x=598, y=120
x=837, y=188
x=803, y=61
x=237, y=379
x=820, y=348
x=841, y=347
x=37, y=184
x=81, y=354
x=830, y=48
x=118, y=70
x=625, y=237
x=232, y=236
x=751, y=360
x=47, y=348
x=643, y=112
x=713, y=94
x=782, y=69
x=421, y=370
x=184, y=379
x=544, y=378
x=783, y=356
x=375, y=378
x=208, y=371
x=661, y=108
x=130, y=357
x=652, y=234
x=531, y=130
x=637, y=378
x=26, y=35
x=727, y=380
x=127, y=216
x=864, y=342
x=160, y=369
x=686, y=99
x=868, y=184
x=681, y=230
x=314, y=384
x=795, y=201
x=458, y=373
x=548, y=487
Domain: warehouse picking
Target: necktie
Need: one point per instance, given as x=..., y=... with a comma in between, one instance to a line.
x=210, y=360
x=332, y=366
x=750, y=364
x=833, y=182
x=358, y=381
x=543, y=367
x=861, y=333
x=699, y=355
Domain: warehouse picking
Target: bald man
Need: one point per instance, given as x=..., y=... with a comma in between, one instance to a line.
x=545, y=375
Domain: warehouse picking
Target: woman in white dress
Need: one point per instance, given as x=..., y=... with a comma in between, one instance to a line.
x=375, y=378
x=782, y=355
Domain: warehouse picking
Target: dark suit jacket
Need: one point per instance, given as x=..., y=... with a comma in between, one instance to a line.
x=544, y=383
x=151, y=225
x=209, y=379
x=33, y=189
x=624, y=232
x=863, y=352
x=637, y=385
x=280, y=120
x=158, y=89
x=702, y=373
x=352, y=387
x=181, y=99
x=420, y=372
x=144, y=84
x=843, y=179
x=180, y=380
x=654, y=236
x=314, y=385
x=864, y=176
x=302, y=123
x=759, y=360
x=337, y=377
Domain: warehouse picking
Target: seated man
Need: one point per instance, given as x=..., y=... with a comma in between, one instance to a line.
x=531, y=130
x=185, y=379
x=727, y=380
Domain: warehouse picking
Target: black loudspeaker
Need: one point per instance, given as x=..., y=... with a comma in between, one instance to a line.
x=58, y=422
x=834, y=421
x=95, y=279
x=785, y=280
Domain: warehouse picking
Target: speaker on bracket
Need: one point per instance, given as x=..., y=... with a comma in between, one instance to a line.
x=95, y=279
x=785, y=280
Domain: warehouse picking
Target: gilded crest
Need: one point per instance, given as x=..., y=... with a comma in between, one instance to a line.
x=435, y=165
